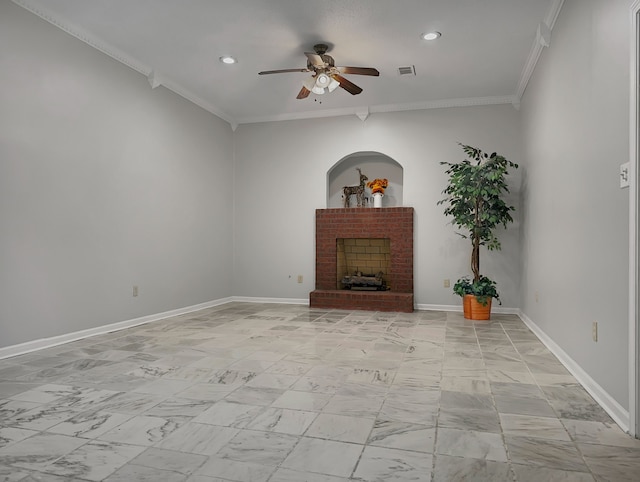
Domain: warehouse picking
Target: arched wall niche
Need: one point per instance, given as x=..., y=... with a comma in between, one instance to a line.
x=373, y=165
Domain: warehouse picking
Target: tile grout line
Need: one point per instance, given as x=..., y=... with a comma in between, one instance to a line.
x=574, y=442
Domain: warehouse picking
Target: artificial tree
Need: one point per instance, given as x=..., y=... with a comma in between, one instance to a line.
x=474, y=198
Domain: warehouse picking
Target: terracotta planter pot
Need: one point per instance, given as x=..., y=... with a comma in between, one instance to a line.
x=466, y=306
x=473, y=310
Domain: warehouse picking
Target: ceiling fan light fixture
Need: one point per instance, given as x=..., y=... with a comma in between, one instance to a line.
x=333, y=85
x=323, y=80
x=310, y=84
x=228, y=59
x=431, y=35
x=318, y=83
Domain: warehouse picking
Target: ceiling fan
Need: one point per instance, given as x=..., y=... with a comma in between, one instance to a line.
x=325, y=74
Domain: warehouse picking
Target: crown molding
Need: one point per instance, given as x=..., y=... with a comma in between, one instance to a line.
x=552, y=14
x=83, y=36
x=537, y=47
x=358, y=111
x=445, y=103
x=299, y=115
x=148, y=71
x=362, y=113
x=156, y=78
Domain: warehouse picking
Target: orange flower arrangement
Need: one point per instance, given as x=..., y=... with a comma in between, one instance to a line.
x=378, y=185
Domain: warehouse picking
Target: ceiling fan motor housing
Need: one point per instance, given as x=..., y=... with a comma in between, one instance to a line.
x=320, y=49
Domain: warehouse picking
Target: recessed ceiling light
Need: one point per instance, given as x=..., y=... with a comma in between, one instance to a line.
x=227, y=59
x=431, y=35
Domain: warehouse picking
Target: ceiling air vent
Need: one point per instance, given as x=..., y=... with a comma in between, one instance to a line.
x=407, y=70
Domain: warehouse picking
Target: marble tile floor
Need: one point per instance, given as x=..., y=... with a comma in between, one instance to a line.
x=252, y=392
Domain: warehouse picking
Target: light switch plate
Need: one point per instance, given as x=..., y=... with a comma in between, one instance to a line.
x=624, y=175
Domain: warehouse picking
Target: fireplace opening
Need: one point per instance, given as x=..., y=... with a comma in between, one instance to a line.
x=363, y=264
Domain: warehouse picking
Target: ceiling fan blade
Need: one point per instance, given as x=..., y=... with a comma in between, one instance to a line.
x=315, y=60
x=282, y=71
x=347, y=85
x=359, y=70
x=304, y=93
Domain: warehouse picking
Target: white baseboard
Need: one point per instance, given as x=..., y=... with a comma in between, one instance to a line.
x=600, y=395
x=420, y=307
x=43, y=343
x=458, y=308
x=287, y=301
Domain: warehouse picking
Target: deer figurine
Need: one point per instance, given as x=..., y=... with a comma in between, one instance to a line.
x=358, y=191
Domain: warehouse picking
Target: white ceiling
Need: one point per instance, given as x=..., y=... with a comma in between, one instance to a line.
x=486, y=53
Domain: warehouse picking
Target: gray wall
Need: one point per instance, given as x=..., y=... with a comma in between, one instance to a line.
x=575, y=219
x=280, y=181
x=104, y=183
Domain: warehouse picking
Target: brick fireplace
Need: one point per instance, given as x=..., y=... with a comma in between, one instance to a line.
x=382, y=237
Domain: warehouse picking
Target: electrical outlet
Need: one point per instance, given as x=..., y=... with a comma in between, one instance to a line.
x=135, y=290
x=299, y=278
x=446, y=283
x=594, y=331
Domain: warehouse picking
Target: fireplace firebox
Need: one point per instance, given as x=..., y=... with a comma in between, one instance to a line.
x=363, y=263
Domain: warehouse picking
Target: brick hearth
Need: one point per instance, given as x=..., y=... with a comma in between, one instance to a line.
x=395, y=224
